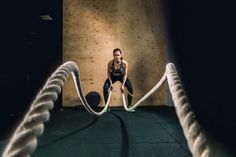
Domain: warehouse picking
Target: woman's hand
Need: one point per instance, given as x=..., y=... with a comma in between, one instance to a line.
x=122, y=89
x=111, y=87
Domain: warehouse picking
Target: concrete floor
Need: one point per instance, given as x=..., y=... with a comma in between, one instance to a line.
x=149, y=131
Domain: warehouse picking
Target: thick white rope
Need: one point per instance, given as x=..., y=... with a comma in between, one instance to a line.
x=24, y=140
x=76, y=78
x=200, y=143
x=157, y=86
x=195, y=135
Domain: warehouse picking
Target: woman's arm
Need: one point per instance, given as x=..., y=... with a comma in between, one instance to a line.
x=125, y=74
x=108, y=72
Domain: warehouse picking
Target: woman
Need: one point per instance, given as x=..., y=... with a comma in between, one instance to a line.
x=117, y=70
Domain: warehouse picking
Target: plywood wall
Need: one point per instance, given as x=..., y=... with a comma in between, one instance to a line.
x=93, y=28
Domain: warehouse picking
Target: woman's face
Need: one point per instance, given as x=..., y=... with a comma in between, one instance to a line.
x=117, y=55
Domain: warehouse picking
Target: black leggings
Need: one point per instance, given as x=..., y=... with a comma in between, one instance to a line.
x=128, y=85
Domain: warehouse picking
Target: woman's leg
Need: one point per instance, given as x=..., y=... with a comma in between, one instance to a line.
x=106, y=86
x=129, y=86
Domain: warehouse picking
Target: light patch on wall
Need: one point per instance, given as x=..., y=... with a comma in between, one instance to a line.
x=92, y=29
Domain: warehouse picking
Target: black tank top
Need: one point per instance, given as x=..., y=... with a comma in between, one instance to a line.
x=119, y=71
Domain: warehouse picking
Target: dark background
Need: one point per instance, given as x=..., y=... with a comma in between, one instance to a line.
x=31, y=49
x=201, y=42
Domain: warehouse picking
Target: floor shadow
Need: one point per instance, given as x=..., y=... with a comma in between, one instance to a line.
x=69, y=134
x=125, y=138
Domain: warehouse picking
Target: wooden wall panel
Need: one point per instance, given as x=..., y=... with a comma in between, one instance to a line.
x=93, y=28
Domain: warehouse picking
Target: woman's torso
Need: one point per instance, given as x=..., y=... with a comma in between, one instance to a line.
x=117, y=69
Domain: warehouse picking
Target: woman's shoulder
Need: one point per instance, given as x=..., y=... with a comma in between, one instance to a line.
x=124, y=62
x=110, y=62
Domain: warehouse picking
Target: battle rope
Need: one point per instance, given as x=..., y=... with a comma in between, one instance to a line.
x=24, y=140
x=196, y=138
x=200, y=143
x=157, y=86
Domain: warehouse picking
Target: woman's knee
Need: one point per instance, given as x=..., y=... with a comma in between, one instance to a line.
x=129, y=86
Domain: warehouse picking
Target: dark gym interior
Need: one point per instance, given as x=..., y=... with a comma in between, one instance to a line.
x=201, y=37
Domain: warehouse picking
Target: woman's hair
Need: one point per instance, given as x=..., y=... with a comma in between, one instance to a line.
x=117, y=49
